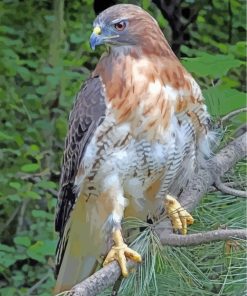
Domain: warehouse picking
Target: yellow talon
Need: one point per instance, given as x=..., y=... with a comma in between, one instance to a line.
x=120, y=251
x=180, y=218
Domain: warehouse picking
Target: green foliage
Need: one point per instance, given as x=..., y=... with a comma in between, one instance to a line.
x=44, y=58
x=40, y=73
x=224, y=99
x=214, y=66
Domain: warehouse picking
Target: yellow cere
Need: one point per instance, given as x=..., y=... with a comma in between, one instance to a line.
x=97, y=30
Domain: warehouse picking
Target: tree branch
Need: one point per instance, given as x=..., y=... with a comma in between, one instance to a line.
x=201, y=238
x=228, y=190
x=232, y=114
x=217, y=167
x=197, y=187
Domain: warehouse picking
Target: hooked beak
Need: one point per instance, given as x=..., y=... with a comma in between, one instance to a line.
x=96, y=38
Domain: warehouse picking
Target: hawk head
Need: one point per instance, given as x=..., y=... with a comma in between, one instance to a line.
x=122, y=25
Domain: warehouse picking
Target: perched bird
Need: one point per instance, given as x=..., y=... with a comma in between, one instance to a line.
x=137, y=131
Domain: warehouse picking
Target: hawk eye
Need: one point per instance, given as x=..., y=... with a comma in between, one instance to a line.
x=120, y=26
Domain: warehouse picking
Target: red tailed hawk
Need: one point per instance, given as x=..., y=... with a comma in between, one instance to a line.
x=138, y=128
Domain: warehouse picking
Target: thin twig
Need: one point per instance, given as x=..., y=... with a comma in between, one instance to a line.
x=240, y=130
x=232, y=114
x=52, y=191
x=21, y=215
x=36, y=285
x=202, y=237
x=228, y=190
x=33, y=176
x=11, y=218
x=230, y=22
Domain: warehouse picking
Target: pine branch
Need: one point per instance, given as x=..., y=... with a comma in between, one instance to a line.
x=201, y=238
x=232, y=114
x=198, y=186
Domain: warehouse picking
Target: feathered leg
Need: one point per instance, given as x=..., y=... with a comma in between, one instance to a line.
x=113, y=203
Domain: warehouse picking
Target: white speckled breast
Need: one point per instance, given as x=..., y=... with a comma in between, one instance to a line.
x=113, y=151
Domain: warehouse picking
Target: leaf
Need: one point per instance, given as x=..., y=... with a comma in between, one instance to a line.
x=33, y=195
x=14, y=197
x=61, y=127
x=42, y=90
x=5, y=137
x=42, y=214
x=75, y=38
x=30, y=168
x=40, y=249
x=6, y=29
x=15, y=185
x=7, y=259
x=6, y=248
x=9, y=291
x=34, y=252
x=22, y=240
x=24, y=73
x=211, y=65
x=47, y=184
x=222, y=100
x=18, y=140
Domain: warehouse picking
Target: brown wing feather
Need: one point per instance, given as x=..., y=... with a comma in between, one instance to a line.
x=86, y=115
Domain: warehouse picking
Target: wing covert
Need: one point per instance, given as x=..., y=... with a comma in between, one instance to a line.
x=87, y=114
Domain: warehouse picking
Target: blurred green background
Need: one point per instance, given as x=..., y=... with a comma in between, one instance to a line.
x=44, y=58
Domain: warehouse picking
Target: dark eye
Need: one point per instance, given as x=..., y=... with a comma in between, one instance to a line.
x=120, y=26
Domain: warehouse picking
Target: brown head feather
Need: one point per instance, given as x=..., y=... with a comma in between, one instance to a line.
x=135, y=72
